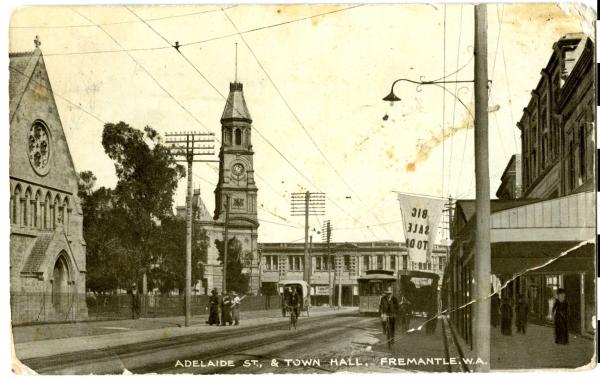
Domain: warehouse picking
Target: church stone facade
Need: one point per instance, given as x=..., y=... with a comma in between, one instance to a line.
x=236, y=182
x=47, y=249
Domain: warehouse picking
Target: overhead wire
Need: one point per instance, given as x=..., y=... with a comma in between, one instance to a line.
x=216, y=38
x=290, y=109
x=254, y=128
x=115, y=22
x=455, y=91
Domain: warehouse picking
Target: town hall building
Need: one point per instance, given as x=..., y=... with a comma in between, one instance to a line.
x=47, y=249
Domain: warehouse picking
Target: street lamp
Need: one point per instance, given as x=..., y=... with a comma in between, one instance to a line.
x=482, y=256
x=392, y=98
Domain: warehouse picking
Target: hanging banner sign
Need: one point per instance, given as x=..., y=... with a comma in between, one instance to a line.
x=420, y=216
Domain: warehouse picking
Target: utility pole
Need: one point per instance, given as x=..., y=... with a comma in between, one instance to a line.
x=305, y=204
x=225, y=245
x=310, y=249
x=327, y=238
x=185, y=146
x=482, y=256
x=339, y=275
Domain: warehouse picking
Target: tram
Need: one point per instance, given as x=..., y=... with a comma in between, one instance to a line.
x=371, y=287
x=420, y=288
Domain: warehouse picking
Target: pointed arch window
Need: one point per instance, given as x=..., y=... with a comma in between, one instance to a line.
x=46, y=212
x=66, y=213
x=54, y=213
x=35, y=205
x=25, y=208
x=16, y=205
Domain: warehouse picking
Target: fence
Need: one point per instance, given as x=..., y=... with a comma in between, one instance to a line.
x=44, y=308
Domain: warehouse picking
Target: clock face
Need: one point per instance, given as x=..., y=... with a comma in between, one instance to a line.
x=39, y=148
x=237, y=169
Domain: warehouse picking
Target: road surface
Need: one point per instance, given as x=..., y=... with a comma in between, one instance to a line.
x=344, y=342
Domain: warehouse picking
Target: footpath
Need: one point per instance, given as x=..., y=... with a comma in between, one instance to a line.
x=36, y=341
x=536, y=350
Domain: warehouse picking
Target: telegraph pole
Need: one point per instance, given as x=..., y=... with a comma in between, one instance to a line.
x=305, y=204
x=482, y=257
x=327, y=238
x=309, y=259
x=185, y=147
x=225, y=244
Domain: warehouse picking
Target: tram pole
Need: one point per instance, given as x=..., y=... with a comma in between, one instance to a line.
x=482, y=257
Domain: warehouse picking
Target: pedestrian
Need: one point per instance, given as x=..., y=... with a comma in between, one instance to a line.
x=560, y=311
x=284, y=300
x=135, y=303
x=225, y=309
x=235, y=308
x=495, y=313
x=388, y=309
x=432, y=310
x=522, y=311
x=213, y=307
x=404, y=313
x=505, y=317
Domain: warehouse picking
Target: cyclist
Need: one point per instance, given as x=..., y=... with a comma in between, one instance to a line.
x=293, y=303
x=388, y=308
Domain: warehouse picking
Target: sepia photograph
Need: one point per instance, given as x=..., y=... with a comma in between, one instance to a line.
x=301, y=188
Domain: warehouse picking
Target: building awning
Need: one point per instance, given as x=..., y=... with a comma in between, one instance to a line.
x=531, y=235
x=569, y=218
x=516, y=257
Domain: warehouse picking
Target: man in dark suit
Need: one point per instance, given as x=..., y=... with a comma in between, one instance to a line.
x=388, y=309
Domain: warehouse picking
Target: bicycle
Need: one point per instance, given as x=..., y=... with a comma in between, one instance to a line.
x=293, y=318
x=389, y=329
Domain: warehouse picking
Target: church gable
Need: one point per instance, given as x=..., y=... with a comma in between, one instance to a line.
x=39, y=152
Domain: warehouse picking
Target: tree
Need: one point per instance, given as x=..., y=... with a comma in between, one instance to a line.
x=236, y=281
x=143, y=197
x=100, y=228
x=168, y=261
x=121, y=225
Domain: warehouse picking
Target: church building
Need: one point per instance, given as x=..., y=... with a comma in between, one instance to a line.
x=236, y=183
x=47, y=249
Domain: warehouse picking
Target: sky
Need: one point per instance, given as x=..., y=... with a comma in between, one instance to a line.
x=314, y=77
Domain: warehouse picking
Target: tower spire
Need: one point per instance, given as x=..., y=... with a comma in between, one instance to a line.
x=236, y=62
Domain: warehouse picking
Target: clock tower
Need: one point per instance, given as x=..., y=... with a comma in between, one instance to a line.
x=236, y=181
x=236, y=169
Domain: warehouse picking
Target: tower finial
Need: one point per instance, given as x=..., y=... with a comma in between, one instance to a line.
x=37, y=42
x=236, y=62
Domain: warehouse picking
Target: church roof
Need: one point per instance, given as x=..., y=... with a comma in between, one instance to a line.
x=21, y=65
x=38, y=253
x=235, y=107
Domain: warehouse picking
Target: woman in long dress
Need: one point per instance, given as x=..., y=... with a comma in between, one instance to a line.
x=560, y=310
x=506, y=317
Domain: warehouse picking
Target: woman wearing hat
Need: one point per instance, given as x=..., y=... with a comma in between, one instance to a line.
x=560, y=311
x=213, y=307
